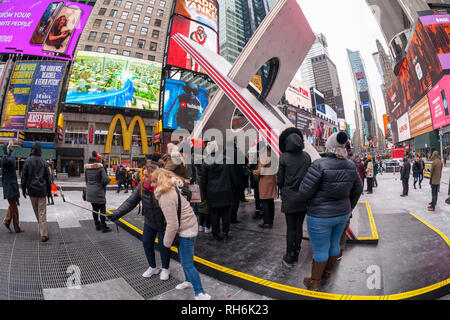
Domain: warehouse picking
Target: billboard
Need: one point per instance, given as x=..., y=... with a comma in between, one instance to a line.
x=42, y=28
x=317, y=100
x=42, y=108
x=331, y=114
x=404, y=132
x=421, y=68
x=420, y=118
x=17, y=95
x=184, y=103
x=387, y=127
x=438, y=98
x=297, y=95
x=195, y=31
x=292, y=116
x=114, y=81
x=203, y=11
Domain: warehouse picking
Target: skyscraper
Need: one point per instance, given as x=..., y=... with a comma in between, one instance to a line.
x=319, y=47
x=384, y=64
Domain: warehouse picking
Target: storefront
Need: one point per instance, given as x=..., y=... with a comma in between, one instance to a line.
x=70, y=161
x=426, y=143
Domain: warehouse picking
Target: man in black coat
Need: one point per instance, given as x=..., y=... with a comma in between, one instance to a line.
x=120, y=178
x=294, y=164
x=241, y=181
x=404, y=176
x=36, y=184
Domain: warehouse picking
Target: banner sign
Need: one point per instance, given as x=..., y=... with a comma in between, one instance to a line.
x=420, y=118
x=438, y=98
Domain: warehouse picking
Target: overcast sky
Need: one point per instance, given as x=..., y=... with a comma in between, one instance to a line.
x=349, y=24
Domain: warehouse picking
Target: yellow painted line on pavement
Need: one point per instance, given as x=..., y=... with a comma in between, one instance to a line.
x=432, y=228
x=373, y=226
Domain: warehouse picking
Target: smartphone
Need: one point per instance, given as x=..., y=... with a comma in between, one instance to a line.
x=58, y=38
x=445, y=102
x=46, y=22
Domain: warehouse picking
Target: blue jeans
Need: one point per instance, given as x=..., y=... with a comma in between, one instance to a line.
x=325, y=234
x=148, y=241
x=186, y=254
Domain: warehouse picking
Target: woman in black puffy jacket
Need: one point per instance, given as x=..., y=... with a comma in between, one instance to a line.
x=154, y=225
x=332, y=188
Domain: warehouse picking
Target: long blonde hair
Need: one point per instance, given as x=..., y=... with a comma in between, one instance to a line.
x=166, y=180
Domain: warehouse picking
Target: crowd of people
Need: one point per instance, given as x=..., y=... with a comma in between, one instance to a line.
x=323, y=192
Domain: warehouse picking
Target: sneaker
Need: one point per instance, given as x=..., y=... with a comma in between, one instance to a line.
x=288, y=261
x=208, y=230
x=201, y=228
x=150, y=272
x=164, y=274
x=184, y=285
x=203, y=296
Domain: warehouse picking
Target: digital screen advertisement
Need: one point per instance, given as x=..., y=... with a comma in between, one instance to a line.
x=42, y=28
x=420, y=118
x=438, y=30
x=197, y=32
x=184, y=103
x=204, y=11
x=404, y=132
x=297, y=95
x=115, y=81
x=438, y=98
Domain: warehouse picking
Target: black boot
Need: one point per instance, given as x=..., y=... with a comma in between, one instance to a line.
x=295, y=256
x=97, y=226
x=106, y=229
x=288, y=259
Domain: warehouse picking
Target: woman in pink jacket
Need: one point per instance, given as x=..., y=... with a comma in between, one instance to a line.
x=166, y=184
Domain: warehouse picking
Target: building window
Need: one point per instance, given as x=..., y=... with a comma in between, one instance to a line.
x=126, y=53
x=158, y=22
x=160, y=13
x=141, y=44
x=101, y=49
x=104, y=37
x=151, y=1
x=97, y=23
x=155, y=34
x=106, y=2
x=102, y=11
x=139, y=55
x=132, y=28
x=117, y=3
x=162, y=3
x=151, y=58
x=113, y=51
x=147, y=20
x=120, y=26
x=92, y=36
x=144, y=31
x=116, y=39
x=87, y=48
x=153, y=46
x=109, y=24
x=150, y=10
x=129, y=42
x=128, y=5
x=139, y=7
x=136, y=17
x=124, y=15
x=113, y=13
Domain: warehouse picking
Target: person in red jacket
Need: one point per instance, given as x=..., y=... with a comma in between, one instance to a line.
x=361, y=170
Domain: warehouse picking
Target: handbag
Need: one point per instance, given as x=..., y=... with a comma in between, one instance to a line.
x=176, y=240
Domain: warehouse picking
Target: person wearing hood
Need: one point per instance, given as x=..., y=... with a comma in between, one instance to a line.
x=435, y=179
x=96, y=182
x=294, y=164
x=217, y=185
x=36, y=184
x=405, y=171
x=370, y=175
x=332, y=188
x=175, y=161
x=10, y=187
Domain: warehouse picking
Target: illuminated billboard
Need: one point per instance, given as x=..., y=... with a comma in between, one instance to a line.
x=184, y=103
x=195, y=31
x=204, y=11
x=438, y=98
x=42, y=28
x=297, y=95
x=115, y=81
x=420, y=118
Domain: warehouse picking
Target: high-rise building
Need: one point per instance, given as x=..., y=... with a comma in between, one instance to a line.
x=384, y=64
x=319, y=47
x=134, y=28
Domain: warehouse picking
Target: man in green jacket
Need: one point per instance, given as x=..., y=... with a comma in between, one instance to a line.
x=435, y=179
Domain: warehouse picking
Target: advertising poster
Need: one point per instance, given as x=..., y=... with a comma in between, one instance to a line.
x=115, y=81
x=292, y=116
x=331, y=114
x=438, y=98
x=197, y=32
x=204, y=11
x=420, y=118
x=320, y=133
x=404, y=132
x=387, y=127
x=42, y=28
x=184, y=103
x=44, y=95
x=17, y=96
x=297, y=95
x=438, y=30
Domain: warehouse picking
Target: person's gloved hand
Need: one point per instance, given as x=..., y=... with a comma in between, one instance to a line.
x=24, y=193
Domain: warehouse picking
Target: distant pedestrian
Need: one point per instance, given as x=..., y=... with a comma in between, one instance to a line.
x=96, y=182
x=375, y=172
x=36, y=184
x=240, y=178
x=10, y=187
x=332, y=188
x=361, y=170
x=52, y=180
x=120, y=178
x=294, y=164
x=435, y=179
x=416, y=172
x=422, y=168
x=370, y=175
x=405, y=172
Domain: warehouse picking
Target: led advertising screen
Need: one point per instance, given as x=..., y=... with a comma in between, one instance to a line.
x=204, y=11
x=404, y=132
x=184, y=103
x=197, y=32
x=297, y=95
x=115, y=81
x=42, y=28
x=438, y=98
x=306, y=125
x=420, y=118
x=41, y=112
x=17, y=96
x=292, y=116
x=438, y=30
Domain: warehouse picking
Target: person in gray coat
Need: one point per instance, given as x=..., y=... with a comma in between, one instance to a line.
x=96, y=182
x=10, y=187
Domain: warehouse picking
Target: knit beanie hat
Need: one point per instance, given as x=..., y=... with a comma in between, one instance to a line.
x=336, y=144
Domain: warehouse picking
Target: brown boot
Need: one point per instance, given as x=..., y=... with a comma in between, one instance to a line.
x=316, y=274
x=329, y=267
